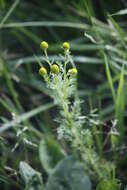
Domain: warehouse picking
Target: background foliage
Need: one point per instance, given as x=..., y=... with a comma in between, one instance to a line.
x=98, y=45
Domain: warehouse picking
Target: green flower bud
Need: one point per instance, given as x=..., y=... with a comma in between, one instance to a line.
x=43, y=71
x=66, y=45
x=55, y=69
x=73, y=71
x=44, y=45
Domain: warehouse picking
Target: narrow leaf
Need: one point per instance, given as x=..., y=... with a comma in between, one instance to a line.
x=120, y=105
x=121, y=12
x=25, y=117
x=109, y=77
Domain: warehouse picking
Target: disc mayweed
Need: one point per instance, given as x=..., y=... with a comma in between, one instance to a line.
x=73, y=71
x=55, y=69
x=43, y=71
x=66, y=45
x=61, y=80
x=44, y=45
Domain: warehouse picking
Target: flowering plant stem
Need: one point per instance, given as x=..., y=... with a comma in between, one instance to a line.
x=63, y=84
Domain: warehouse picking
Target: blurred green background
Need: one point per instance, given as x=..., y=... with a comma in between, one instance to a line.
x=89, y=29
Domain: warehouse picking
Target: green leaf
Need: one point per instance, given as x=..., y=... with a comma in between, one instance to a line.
x=69, y=174
x=2, y=4
x=120, y=104
x=119, y=30
x=25, y=116
x=80, y=59
x=9, y=12
x=45, y=23
x=108, y=185
x=109, y=77
x=50, y=153
x=121, y=12
x=32, y=178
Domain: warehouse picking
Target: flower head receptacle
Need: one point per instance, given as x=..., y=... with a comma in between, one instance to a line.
x=66, y=46
x=44, y=45
x=43, y=71
x=55, y=69
x=73, y=71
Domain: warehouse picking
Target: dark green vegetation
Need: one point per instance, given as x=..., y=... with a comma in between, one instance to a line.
x=98, y=42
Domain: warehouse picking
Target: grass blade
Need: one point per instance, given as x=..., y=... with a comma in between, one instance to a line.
x=109, y=77
x=25, y=117
x=9, y=12
x=120, y=105
x=46, y=24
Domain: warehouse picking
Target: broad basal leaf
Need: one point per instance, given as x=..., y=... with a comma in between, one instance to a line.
x=50, y=153
x=69, y=174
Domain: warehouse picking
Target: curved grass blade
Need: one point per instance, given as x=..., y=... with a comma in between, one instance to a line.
x=120, y=105
x=25, y=117
x=109, y=77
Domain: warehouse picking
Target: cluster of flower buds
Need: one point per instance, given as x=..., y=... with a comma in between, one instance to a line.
x=54, y=68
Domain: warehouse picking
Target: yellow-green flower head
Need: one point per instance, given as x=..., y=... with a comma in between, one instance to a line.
x=66, y=45
x=73, y=71
x=44, y=45
x=55, y=69
x=43, y=71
